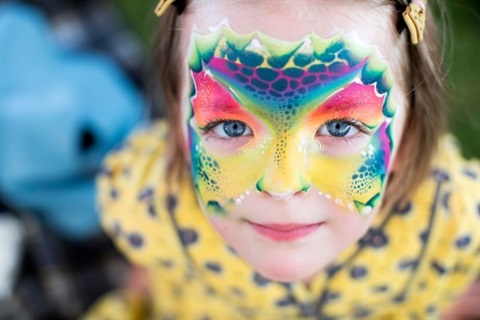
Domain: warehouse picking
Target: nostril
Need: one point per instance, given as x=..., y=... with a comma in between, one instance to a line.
x=281, y=196
x=87, y=140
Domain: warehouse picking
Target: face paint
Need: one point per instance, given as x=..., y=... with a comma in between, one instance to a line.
x=283, y=117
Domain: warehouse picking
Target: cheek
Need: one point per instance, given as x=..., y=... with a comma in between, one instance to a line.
x=223, y=179
x=354, y=181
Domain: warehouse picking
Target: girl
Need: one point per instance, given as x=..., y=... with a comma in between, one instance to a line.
x=302, y=173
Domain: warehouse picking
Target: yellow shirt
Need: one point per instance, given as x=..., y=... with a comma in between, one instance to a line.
x=410, y=264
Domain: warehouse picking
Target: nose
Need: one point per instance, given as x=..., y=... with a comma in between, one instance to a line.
x=284, y=175
x=281, y=196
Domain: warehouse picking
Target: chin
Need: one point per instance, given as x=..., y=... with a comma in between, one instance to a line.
x=287, y=269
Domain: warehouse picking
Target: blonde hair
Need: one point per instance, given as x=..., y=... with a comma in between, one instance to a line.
x=426, y=85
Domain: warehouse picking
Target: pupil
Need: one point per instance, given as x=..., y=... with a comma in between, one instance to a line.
x=338, y=128
x=234, y=128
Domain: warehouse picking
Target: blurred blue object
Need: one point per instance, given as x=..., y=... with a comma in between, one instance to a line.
x=60, y=113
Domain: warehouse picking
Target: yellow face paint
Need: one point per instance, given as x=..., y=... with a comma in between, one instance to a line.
x=283, y=117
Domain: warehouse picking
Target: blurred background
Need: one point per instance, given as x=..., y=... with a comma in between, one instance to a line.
x=72, y=87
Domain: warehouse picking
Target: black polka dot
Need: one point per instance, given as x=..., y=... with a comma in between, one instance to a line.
x=470, y=173
x=114, y=193
x=403, y=210
x=145, y=194
x=213, y=266
x=332, y=270
x=329, y=296
x=431, y=309
x=440, y=175
x=135, y=240
x=446, y=200
x=407, y=264
x=399, y=298
x=171, y=203
x=307, y=309
x=374, y=238
x=424, y=235
x=438, y=267
x=463, y=242
x=188, y=236
x=260, y=280
x=231, y=250
x=152, y=212
x=358, y=272
x=380, y=288
x=287, y=301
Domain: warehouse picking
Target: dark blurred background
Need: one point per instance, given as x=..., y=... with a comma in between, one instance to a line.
x=462, y=35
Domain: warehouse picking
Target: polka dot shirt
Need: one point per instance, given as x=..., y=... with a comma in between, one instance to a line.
x=411, y=263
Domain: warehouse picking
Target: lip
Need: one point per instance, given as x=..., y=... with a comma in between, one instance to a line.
x=285, y=232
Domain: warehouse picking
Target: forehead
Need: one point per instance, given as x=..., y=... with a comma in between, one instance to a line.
x=293, y=20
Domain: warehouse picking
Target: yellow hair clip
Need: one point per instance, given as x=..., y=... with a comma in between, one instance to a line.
x=415, y=18
x=163, y=6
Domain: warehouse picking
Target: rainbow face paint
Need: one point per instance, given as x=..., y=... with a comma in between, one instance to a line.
x=288, y=94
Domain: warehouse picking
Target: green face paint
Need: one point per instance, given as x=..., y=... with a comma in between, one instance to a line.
x=275, y=116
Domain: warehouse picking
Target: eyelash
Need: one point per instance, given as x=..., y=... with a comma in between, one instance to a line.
x=209, y=126
x=350, y=121
x=361, y=127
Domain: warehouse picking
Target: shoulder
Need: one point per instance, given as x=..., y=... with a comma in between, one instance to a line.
x=450, y=220
x=459, y=181
x=131, y=189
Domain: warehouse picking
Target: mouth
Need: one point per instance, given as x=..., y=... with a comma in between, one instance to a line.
x=285, y=232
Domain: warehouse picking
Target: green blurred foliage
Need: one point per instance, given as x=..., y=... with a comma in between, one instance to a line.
x=462, y=39
x=463, y=65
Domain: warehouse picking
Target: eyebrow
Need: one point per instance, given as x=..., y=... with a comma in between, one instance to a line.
x=356, y=98
x=208, y=106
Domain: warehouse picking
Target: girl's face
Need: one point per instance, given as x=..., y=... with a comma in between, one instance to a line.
x=292, y=113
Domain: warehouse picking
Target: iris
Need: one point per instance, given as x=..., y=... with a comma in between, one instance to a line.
x=234, y=128
x=338, y=128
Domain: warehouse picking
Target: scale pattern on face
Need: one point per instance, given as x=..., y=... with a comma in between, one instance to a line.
x=282, y=83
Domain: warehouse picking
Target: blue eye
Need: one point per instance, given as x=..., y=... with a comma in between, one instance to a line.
x=232, y=129
x=337, y=128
